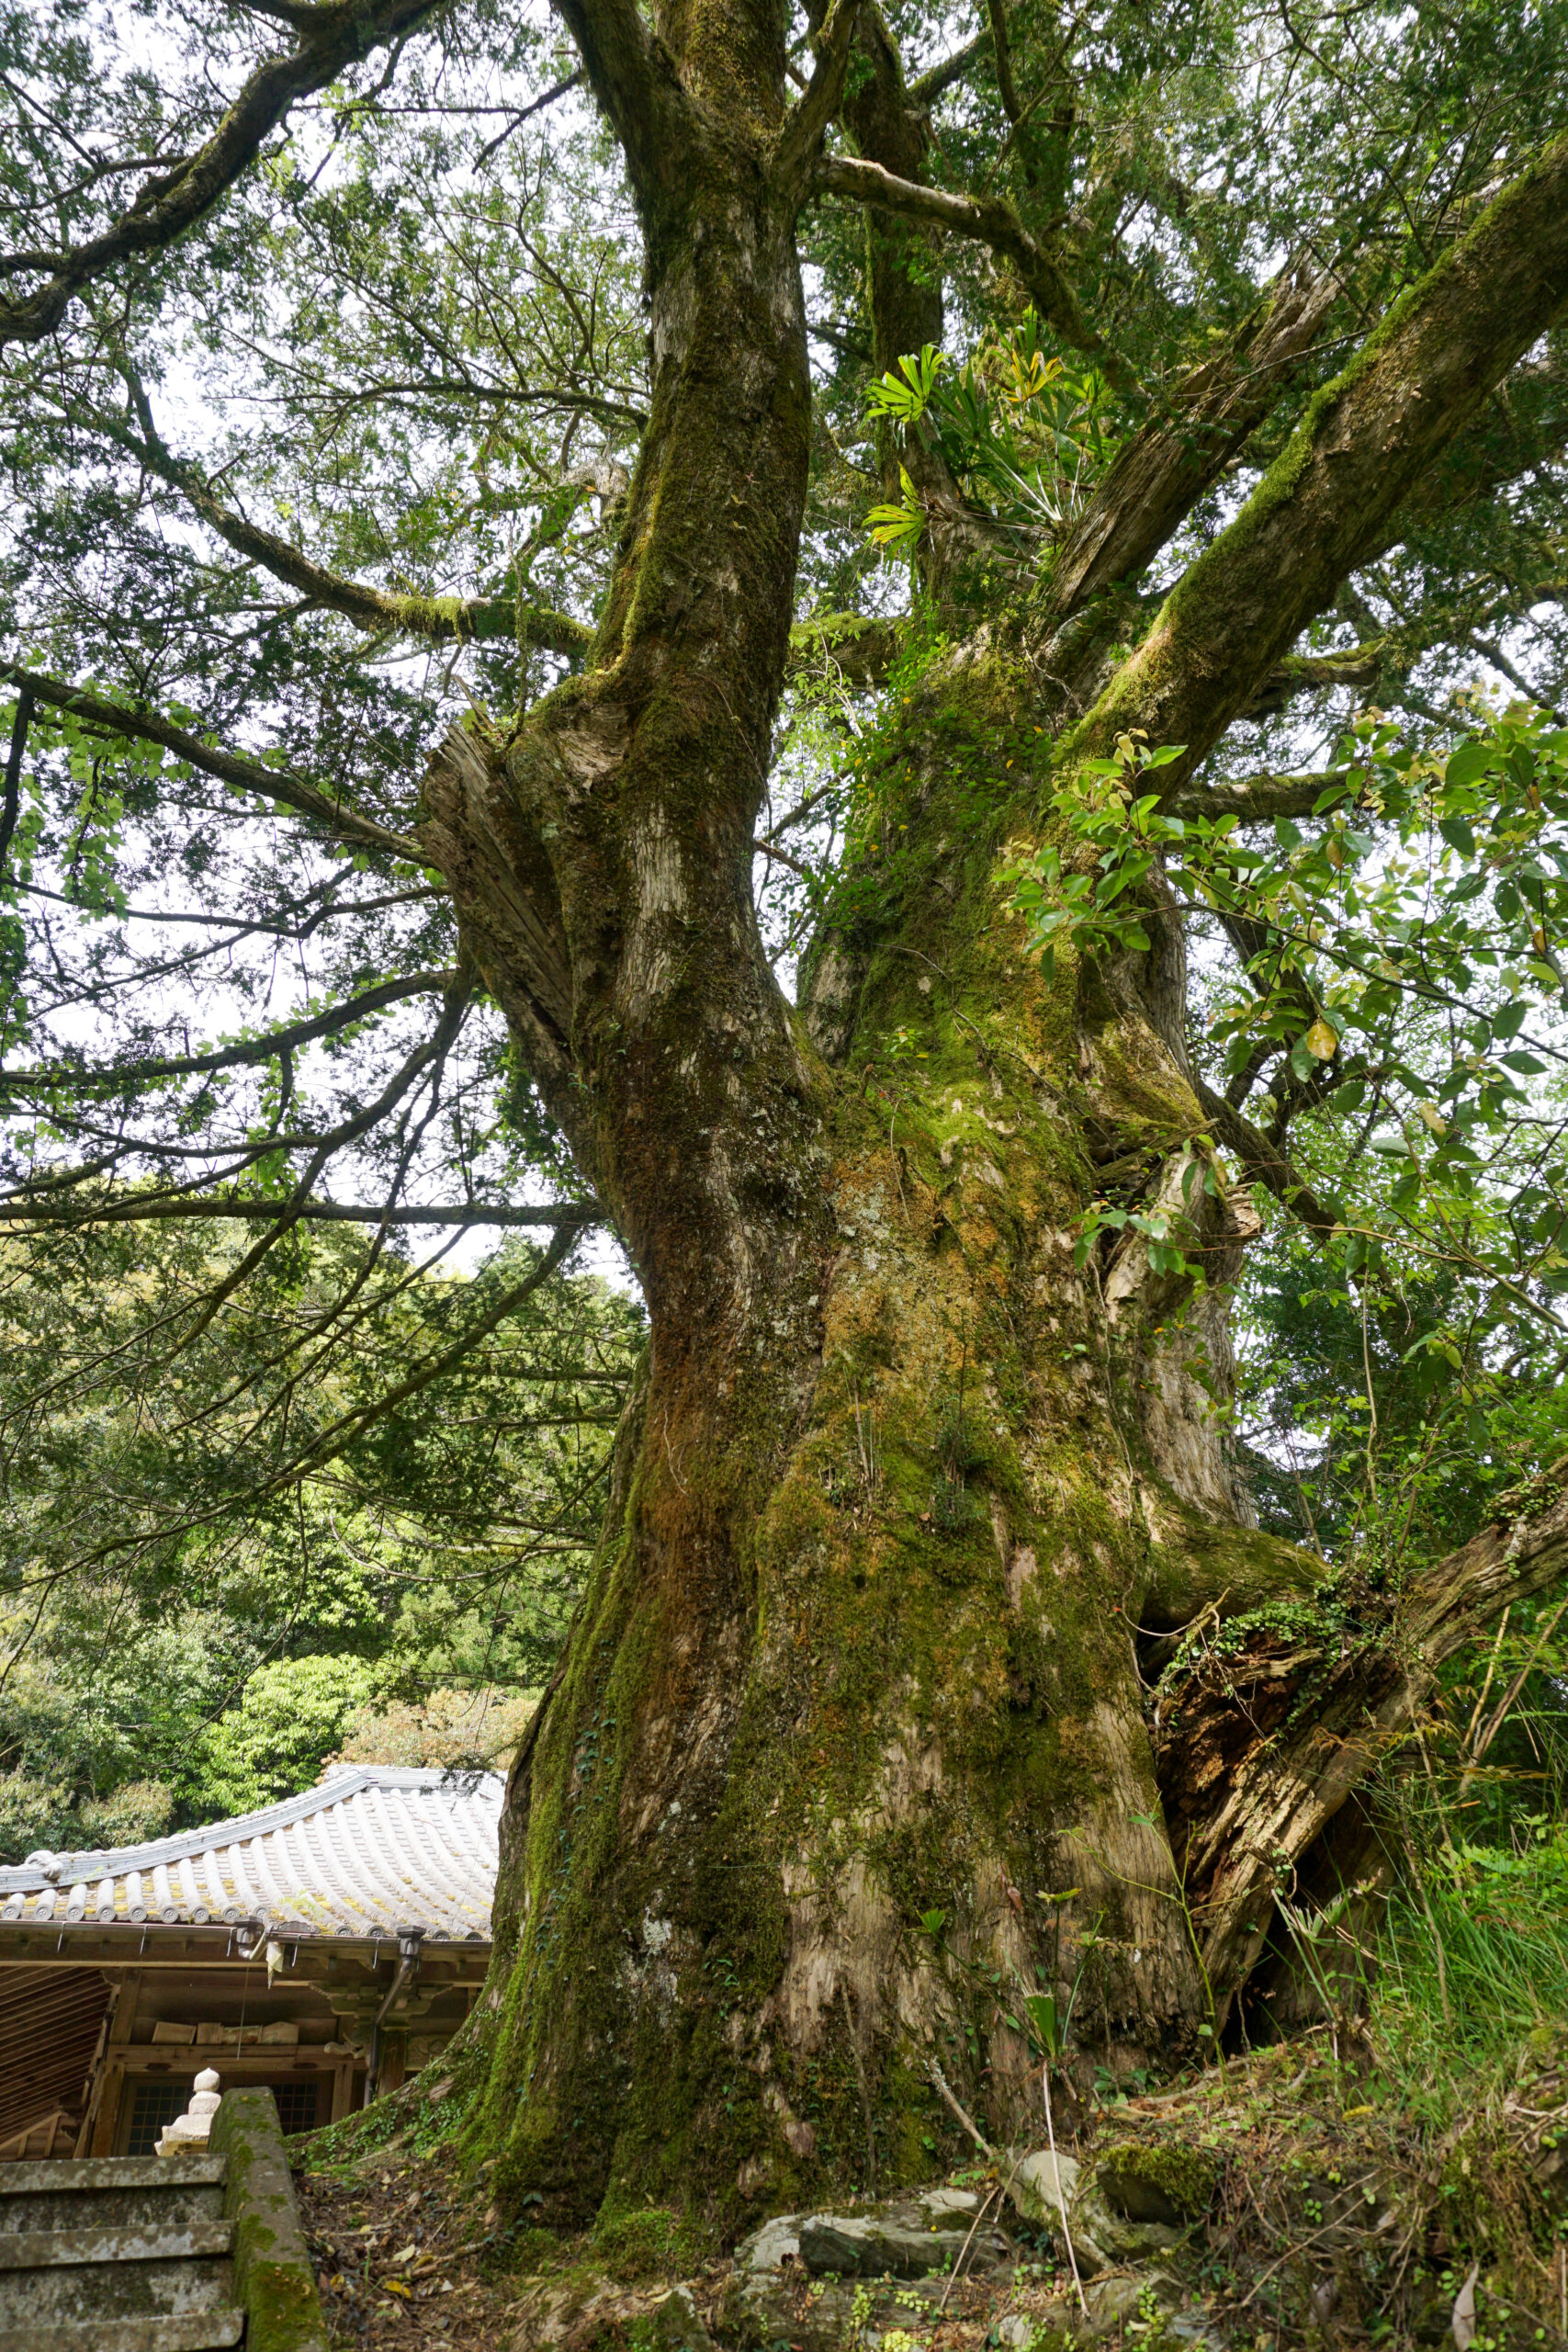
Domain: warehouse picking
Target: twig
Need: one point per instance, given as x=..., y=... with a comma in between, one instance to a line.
x=940, y=2079
x=1061, y=2193
x=999, y=2193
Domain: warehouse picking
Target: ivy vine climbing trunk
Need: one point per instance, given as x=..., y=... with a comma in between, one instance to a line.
x=851, y=1743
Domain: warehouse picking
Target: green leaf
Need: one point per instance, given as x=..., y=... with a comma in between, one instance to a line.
x=1469, y=763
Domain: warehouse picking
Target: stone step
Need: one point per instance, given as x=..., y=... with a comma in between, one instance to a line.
x=195, y=2332
x=72, y=2293
x=119, y=2208
x=159, y=2242
x=113, y=2172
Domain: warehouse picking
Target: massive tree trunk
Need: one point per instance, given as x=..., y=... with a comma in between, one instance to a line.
x=903, y=1487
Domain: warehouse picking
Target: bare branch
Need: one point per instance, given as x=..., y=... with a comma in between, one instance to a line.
x=252, y=1050
x=990, y=223
x=330, y=39
x=133, y=1211
x=247, y=775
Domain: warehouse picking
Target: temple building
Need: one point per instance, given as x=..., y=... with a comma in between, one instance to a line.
x=326, y=1946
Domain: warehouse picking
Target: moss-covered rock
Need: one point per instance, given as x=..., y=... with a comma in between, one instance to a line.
x=1157, y=2183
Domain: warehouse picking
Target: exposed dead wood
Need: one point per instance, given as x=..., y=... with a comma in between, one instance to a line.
x=1258, y=1744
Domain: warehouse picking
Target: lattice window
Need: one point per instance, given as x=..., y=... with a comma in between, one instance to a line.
x=152, y=2106
x=298, y=2102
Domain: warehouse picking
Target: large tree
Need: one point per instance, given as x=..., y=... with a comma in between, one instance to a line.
x=1262, y=407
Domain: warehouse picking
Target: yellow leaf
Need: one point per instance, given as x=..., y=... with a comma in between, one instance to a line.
x=1321, y=1041
x=1433, y=1117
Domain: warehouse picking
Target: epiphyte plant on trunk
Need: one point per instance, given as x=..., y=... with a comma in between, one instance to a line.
x=984, y=1200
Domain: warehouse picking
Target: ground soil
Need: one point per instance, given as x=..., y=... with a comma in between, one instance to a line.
x=1343, y=2217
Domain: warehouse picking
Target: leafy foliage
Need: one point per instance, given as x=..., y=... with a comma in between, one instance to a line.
x=200, y=1594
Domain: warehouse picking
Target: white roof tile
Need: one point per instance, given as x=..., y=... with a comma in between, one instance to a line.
x=374, y=1849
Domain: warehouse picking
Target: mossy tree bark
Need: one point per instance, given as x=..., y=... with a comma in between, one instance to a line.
x=904, y=1488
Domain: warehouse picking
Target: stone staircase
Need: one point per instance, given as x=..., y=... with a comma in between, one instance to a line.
x=118, y=2254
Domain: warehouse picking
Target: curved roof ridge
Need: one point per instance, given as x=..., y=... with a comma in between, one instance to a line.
x=345, y=1781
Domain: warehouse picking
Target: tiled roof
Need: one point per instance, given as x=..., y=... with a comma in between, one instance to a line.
x=372, y=1849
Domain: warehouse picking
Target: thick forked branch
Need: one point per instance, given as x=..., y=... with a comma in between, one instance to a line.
x=439, y=619
x=264, y=1048
x=330, y=39
x=247, y=775
x=1164, y=468
x=990, y=223
x=1364, y=443
x=633, y=76
x=1257, y=1748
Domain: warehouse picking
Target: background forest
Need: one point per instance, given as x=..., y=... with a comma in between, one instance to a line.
x=193, y=1625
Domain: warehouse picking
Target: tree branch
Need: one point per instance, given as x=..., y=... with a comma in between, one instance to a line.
x=134, y=1212
x=443, y=620
x=247, y=775
x=1257, y=799
x=1358, y=665
x=927, y=87
x=253, y=1049
x=990, y=223
x=10, y=806
x=1158, y=476
x=330, y=39
x=633, y=77
x=1364, y=443
x=1265, y=1164
x=818, y=103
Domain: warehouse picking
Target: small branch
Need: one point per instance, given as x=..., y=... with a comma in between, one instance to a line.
x=537, y=105
x=928, y=86
x=766, y=848
x=10, y=806
x=136, y=1211
x=1061, y=2192
x=990, y=223
x=996, y=10
x=248, y=775
x=1358, y=665
x=442, y=620
x=253, y=1049
x=940, y=2079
